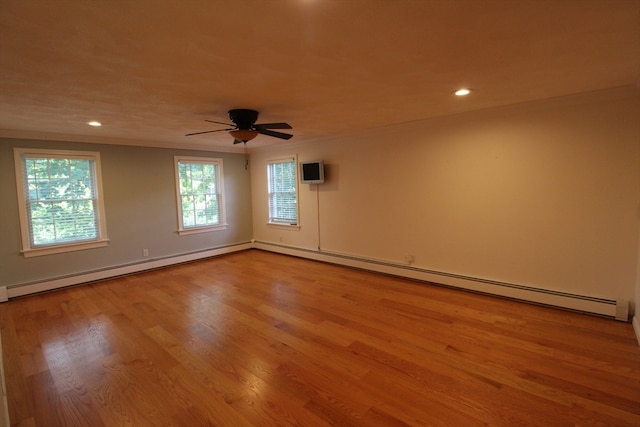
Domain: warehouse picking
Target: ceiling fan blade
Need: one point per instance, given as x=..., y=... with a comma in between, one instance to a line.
x=220, y=123
x=208, y=131
x=273, y=126
x=274, y=134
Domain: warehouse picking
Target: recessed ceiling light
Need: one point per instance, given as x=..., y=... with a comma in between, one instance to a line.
x=94, y=123
x=462, y=92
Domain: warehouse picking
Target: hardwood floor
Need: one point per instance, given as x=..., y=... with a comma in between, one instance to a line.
x=256, y=338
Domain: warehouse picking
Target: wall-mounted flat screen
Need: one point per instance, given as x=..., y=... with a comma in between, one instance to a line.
x=312, y=172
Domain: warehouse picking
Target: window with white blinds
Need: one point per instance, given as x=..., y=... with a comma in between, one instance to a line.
x=283, y=191
x=60, y=200
x=200, y=194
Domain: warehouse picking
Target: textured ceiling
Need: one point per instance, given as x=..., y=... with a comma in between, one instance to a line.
x=154, y=70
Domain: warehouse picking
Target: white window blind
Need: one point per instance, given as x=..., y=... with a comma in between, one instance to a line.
x=283, y=197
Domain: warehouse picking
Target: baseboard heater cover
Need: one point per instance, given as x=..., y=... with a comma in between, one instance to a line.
x=604, y=307
x=24, y=289
x=636, y=325
x=600, y=306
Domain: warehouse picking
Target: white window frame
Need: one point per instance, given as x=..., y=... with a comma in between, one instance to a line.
x=270, y=221
x=29, y=248
x=222, y=222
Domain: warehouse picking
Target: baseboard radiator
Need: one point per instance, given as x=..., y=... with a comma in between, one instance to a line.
x=618, y=310
x=603, y=307
x=23, y=289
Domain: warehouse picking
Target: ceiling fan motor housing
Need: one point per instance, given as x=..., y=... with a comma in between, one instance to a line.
x=244, y=119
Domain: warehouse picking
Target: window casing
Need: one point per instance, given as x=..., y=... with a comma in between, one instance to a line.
x=60, y=201
x=200, y=194
x=282, y=192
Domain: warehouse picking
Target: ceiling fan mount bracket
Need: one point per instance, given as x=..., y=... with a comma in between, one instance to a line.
x=243, y=118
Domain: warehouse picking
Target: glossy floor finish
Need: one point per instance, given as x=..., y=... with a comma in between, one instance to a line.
x=256, y=338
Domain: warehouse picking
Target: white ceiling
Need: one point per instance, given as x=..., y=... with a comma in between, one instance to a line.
x=154, y=70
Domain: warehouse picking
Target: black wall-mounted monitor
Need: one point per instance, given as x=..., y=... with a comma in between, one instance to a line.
x=312, y=172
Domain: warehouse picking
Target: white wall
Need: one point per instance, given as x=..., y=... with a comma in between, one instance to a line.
x=544, y=195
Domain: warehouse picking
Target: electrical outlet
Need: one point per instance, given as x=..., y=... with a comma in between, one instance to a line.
x=145, y=252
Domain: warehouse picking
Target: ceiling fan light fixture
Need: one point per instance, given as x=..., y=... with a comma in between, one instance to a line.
x=244, y=135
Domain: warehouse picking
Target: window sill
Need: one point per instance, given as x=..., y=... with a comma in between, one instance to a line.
x=285, y=226
x=205, y=229
x=69, y=247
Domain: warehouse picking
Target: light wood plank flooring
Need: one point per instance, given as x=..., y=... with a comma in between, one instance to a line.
x=256, y=338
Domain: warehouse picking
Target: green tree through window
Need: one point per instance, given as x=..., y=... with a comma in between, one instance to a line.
x=200, y=200
x=61, y=200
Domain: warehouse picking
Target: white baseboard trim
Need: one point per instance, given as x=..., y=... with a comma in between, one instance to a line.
x=604, y=307
x=92, y=276
x=4, y=404
x=636, y=326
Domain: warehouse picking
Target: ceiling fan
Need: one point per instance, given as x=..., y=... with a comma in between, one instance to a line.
x=244, y=127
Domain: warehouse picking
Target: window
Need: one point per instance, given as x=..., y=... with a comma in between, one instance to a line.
x=200, y=194
x=60, y=201
x=283, y=196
